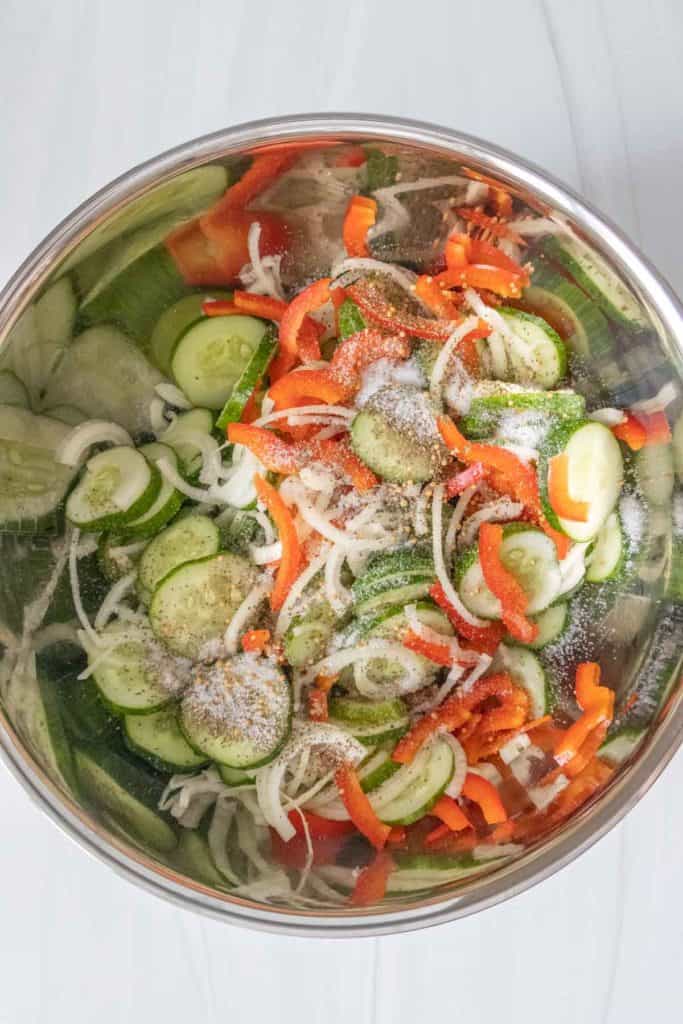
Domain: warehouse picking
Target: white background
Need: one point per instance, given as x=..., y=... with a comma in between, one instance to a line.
x=591, y=90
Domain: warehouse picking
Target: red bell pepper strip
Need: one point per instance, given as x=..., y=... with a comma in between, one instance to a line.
x=290, y=563
x=319, y=827
x=484, y=638
x=317, y=705
x=640, y=429
x=492, y=256
x=359, y=350
x=294, y=854
x=494, y=225
x=361, y=214
x=457, y=251
x=264, y=306
x=474, y=474
x=397, y=836
x=482, y=792
x=351, y=156
x=558, y=491
x=503, y=584
x=510, y=284
x=360, y=809
x=321, y=384
x=252, y=409
x=440, y=654
x=657, y=427
x=255, y=640
x=256, y=179
x=194, y=256
x=371, y=884
x=340, y=453
x=374, y=304
x=276, y=455
x=294, y=346
x=451, y=814
x=437, y=299
x=227, y=235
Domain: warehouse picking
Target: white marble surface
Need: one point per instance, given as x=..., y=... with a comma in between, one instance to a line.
x=592, y=90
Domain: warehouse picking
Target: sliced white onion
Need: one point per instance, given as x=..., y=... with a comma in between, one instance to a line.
x=115, y=594
x=264, y=554
x=348, y=270
x=487, y=771
x=329, y=411
x=76, y=589
x=394, y=214
x=455, y=521
x=609, y=417
x=501, y=510
x=171, y=474
x=432, y=636
x=156, y=415
x=525, y=764
x=667, y=394
x=491, y=851
x=477, y=672
x=514, y=747
x=498, y=323
x=445, y=354
x=334, y=663
x=173, y=395
x=454, y=787
x=454, y=676
x=542, y=796
x=296, y=590
x=522, y=451
x=337, y=594
x=248, y=608
x=75, y=445
x=573, y=568
x=439, y=563
x=217, y=837
x=533, y=227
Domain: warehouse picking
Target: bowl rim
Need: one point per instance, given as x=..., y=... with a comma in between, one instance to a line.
x=594, y=820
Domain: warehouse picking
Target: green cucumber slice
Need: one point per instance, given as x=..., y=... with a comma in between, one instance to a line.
x=526, y=671
x=575, y=317
x=390, y=624
x=551, y=624
x=546, y=355
x=158, y=739
x=211, y=355
x=195, y=602
x=390, y=571
x=117, y=487
x=235, y=776
x=174, y=321
x=86, y=716
x=32, y=484
x=168, y=500
x=395, y=435
x=238, y=711
x=126, y=792
x=350, y=319
x=597, y=279
x=607, y=555
x=529, y=555
x=618, y=748
x=193, y=858
x=499, y=400
x=355, y=712
x=123, y=393
x=186, y=540
x=412, y=791
x=132, y=677
x=596, y=472
x=178, y=436
x=655, y=472
x=306, y=639
x=252, y=373
x=132, y=294
x=12, y=390
x=55, y=313
x=377, y=769
x=50, y=733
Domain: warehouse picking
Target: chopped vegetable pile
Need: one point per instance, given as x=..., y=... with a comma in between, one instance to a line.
x=333, y=501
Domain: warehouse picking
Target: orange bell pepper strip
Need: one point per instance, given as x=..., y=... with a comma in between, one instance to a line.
x=482, y=792
x=360, y=809
x=340, y=453
x=437, y=298
x=494, y=225
x=504, y=585
x=587, y=684
x=361, y=215
x=276, y=455
x=632, y=432
x=558, y=491
x=576, y=735
x=317, y=705
x=397, y=836
x=457, y=251
x=507, y=283
x=586, y=751
x=502, y=201
x=640, y=429
x=483, y=638
x=294, y=345
x=255, y=640
x=374, y=304
x=440, y=654
x=359, y=350
x=484, y=253
x=371, y=884
x=451, y=814
x=290, y=563
x=321, y=384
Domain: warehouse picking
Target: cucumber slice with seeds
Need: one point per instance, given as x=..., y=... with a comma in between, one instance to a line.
x=212, y=354
x=178, y=436
x=173, y=323
x=529, y=555
x=540, y=357
x=527, y=672
x=370, y=721
x=132, y=677
x=12, y=391
x=551, y=624
x=493, y=402
x=394, y=578
x=193, y=605
x=596, y=472
x=187, y=540
x=117, y=487
x=306, y=639
x=238, y=711
x=395, y=435
x=158, y=739
x=597, y=279
x=575, y=317
x=168, y=500
x=252, y=373
x=411, y=792
x=607, y=555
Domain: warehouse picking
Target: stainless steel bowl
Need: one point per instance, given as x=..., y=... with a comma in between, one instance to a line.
x=647, y=618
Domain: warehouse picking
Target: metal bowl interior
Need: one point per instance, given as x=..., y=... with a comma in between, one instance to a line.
x=634, y=623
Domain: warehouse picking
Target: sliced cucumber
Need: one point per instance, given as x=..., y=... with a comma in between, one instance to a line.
x=235, y=776
x=596, y=472
x=172, y=201
x=575, y=317
x=32, y=483
x=49, y=726
x=168, y=500
x=527, y=672
x=107, y=377
x=655, y=472
x=413, y=790
x=597, y=279
x=370, y=721
x=178, y=436
x=539, y=358
x=238, y=712
x=118, y=486
x=12, y=391
x=618, y=747
x=306, y=639
x=195, y=602
x=212, y=354
x=135, y=294
x=157, y=738
x=55, y=313
x=174, y=321
x=376, y=769
x=551, y=624
x=529, y=555
x=379, y=674
x=487, y=410
x=194, y=859
x=116, y=556
x=393, y=578
x=607, y=555
x=350, y=319
x=252, y=373
x=395, y=435
x=126, y=792
x=68, y=414
x=132, y=678
x=186, y=540
x=86, y=716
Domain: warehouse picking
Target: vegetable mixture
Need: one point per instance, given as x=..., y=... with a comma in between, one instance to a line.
x=332, y=502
